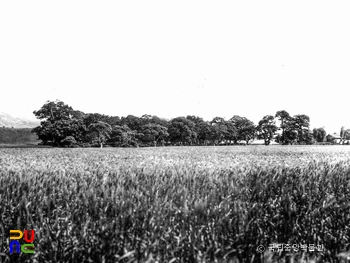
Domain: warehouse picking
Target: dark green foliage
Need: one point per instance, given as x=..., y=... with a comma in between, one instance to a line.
x=60, y=120
x=284, y=117
x=301, y=124
x=100, y=132
x=295, y=130
x=122, y=136
x=153, y=134
x=267, y=128
x=182, y=131
x=245, y=128
x=69, y=141
x=319, y=134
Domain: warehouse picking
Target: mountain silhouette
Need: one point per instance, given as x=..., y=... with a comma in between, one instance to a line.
x=7, y=120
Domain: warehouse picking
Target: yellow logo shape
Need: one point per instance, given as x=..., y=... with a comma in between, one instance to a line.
x=19, y=232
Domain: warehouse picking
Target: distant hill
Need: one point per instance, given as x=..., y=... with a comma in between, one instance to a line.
x=6, y=120
x=15, y=136
x=17, y=131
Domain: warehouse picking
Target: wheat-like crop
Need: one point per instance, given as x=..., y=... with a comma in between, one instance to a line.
x=176, y=204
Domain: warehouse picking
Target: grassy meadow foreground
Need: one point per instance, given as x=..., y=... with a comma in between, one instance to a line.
x=176, y=204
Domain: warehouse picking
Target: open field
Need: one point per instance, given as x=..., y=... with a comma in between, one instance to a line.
x=176, y=204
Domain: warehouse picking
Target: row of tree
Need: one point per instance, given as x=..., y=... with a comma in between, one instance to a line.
x=63, y=126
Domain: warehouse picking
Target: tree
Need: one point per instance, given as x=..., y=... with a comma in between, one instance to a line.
x=342, y=131
x=244, y=127
x=153, y=133
x=319, y=134
x=308, y=137
x=216, y=134
x=160, y=121
x=113, y=120
x=146, y=119
x=294, y=129
x=301, y=124
x=284, y=117
x=44, y=132
x=123, y=136
x=182, y=130
x=202, y=128
x=223, y=130
x=100, y=131
x=133, y=122
x=204, y=131
x=59, y=121
x=53, y=111
x=290, y=136
x=94, y=118
x=53, y=133
x=247, y=133
x=267, y=128
x=219, y=130
x=69, y=141
x=345, y=135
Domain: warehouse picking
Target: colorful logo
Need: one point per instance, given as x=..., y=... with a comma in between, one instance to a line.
x=16, y=247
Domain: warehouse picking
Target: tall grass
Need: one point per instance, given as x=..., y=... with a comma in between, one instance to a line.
x=200, y=204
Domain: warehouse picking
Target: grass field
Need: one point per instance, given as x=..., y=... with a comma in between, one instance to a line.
x=177, y=204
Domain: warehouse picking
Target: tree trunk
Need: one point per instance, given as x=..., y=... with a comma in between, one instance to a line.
x=101, y=145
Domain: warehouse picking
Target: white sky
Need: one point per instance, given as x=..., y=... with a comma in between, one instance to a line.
x=175, y=58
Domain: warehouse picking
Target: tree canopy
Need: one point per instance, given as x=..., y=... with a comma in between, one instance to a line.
x=61, y=126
